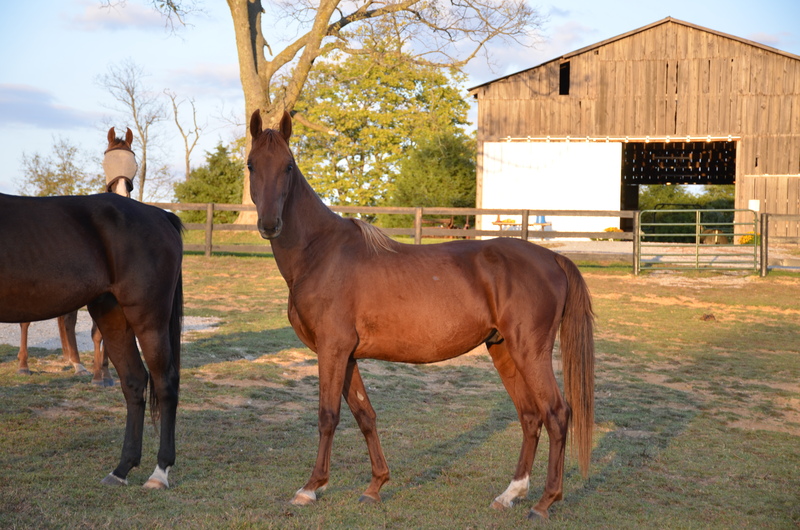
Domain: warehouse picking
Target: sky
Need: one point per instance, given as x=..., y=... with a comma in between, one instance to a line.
x=52, y=53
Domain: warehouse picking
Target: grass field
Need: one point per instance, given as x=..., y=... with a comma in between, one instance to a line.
x=698, y=420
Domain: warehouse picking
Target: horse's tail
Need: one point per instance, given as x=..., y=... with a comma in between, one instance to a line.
x=577, y=352
x=173, y=364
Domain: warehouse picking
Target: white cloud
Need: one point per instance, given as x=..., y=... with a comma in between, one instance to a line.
x=28, y=105
x=118, y=17
x=778, y=40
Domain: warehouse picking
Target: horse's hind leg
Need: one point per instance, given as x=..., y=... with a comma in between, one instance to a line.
x=165, y=381
x=69, y=342
x=22, y=356
x=102, y=375
x=530, y=420
x=536, y=368
x=355, y=393
x=121, y=347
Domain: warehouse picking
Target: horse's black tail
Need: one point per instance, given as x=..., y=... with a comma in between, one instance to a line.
x=173, y=361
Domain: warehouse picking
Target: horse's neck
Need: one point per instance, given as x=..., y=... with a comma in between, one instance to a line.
x=121, y=188
x=310, y=228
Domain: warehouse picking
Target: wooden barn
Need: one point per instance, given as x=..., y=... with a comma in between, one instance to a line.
x=670, y=102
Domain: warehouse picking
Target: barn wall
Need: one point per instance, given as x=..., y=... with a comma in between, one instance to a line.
x=670, y=79
x=553, y=176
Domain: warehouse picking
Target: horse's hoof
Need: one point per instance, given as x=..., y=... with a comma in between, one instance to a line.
x=533, y=515
x=499, y=506
x=155, y=484
x=303, y=498
x=108, y=383
x=113, y=480
x=369, y=499
x=158, y=480
x=81, y=370
x=103, y=382
x=24, y=371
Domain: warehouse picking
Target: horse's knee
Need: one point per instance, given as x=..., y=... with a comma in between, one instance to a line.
x=328, y=421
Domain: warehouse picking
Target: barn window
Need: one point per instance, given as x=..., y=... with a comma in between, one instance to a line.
x=563, y=79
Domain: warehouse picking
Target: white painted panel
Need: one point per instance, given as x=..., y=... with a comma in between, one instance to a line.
x=553, y=176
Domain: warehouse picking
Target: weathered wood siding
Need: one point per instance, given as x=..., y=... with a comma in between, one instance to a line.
x=668, y=79
x=778, y=194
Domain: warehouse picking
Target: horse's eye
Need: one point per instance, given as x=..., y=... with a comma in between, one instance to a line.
x=289, y=168
x=249, y=167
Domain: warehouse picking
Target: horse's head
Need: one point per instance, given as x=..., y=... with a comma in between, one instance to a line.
x=119, y=163
x=271, y=165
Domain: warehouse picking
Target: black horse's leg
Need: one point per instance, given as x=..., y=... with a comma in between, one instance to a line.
x=120, y=344
x=165, y=381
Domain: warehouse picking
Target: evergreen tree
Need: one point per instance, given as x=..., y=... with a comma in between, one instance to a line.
x=219, y=181
x=438, y=171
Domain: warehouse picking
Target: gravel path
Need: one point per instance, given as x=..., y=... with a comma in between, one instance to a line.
x=44, y=334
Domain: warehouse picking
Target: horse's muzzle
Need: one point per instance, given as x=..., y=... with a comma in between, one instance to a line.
x=270, y=232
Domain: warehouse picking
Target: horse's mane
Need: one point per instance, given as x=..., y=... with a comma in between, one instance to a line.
x=376, y=240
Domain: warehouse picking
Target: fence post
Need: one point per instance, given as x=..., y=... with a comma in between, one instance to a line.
x=764, y=244
x=525, y=217
x=637, y=248
x=209, y=227
x=418, y=226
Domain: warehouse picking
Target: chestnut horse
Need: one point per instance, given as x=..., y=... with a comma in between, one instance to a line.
x=354, y=293
x=119, y=164
x=122, y=259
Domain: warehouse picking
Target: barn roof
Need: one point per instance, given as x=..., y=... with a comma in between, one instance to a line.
x=640, y=30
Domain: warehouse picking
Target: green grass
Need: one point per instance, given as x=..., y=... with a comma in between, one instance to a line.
x=698, y=421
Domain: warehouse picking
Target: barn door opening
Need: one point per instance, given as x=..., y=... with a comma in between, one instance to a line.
x=705, y=163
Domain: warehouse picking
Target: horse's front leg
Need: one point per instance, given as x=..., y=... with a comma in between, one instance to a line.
x=355, y=393
x=332, y=370
x=69, y=342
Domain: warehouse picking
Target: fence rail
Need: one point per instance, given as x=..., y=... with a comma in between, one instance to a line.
x=420, y=229
x=429, y=222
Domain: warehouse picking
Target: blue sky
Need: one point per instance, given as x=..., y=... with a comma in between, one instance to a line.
x=52, y=52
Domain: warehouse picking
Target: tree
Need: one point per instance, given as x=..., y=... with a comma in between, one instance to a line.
x=438, y=171
x=62, y=173
x=220, y=180
x=378, y=104
x=124, y=83
x=190, y=135
x=661, y=194
x=445, y=34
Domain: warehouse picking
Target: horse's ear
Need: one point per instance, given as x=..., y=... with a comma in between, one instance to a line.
x=286, y=125
x=255, y=123
x=112, y=135
x=129, y=137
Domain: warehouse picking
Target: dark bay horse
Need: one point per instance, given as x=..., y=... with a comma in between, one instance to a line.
x=119, y=165
x=354, y=293
x=123, y=260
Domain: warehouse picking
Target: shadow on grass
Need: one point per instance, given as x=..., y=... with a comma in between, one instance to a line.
x=642, y=419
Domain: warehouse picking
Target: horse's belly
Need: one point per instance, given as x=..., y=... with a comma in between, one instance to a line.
x=420, y=339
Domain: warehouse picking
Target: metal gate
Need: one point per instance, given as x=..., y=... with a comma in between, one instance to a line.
x=696, y=240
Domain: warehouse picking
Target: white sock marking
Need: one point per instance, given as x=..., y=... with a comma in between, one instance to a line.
x=517, y=488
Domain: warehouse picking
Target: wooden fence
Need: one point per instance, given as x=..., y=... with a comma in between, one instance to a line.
x=428, y=222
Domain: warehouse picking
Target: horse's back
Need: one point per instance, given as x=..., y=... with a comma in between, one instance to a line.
x=61, y=252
